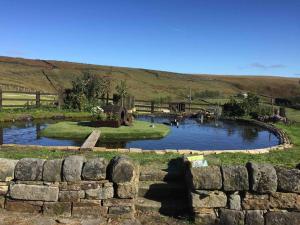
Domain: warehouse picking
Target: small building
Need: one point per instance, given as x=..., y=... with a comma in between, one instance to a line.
x=119, y=113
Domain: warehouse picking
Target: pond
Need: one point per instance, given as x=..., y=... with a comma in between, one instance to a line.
x=190, y=134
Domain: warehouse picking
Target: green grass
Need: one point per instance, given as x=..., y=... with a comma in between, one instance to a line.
x=25, y=99
x=287, y=158
x=47, y=153
x=293, y=114
x=75, y=130
x=8, y=115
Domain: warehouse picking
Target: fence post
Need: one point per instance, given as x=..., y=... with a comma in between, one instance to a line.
x=38, y=99
x=1, y=99
x=152, y=106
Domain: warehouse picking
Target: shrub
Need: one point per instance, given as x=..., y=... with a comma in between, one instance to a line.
x=233, y=109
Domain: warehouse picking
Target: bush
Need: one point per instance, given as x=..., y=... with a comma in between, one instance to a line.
x=233, y=109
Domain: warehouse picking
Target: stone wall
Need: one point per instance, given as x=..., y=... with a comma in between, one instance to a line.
x=73, y=187
x=254, y=194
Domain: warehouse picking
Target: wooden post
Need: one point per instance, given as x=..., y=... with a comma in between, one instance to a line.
x=38, y=99
x=1, y=99
x=107, y=98
x=152, y=106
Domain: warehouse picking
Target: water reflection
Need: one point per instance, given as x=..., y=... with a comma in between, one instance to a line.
x=190, y=134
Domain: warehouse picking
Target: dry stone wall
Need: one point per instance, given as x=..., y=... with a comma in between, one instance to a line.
x=254, y=194
x=73, y=187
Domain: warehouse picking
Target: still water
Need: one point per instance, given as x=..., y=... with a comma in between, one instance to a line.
x=190, y=134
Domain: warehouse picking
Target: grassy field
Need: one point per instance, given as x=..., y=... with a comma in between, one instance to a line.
x=9, y=115
x=25, y=99
x=80, y=130
x=49, y=76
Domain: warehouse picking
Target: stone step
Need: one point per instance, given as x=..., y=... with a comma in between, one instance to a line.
x=170, y=207
x=161, y=190
x=161, y=175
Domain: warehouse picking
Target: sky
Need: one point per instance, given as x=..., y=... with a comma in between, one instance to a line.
x=233, y=37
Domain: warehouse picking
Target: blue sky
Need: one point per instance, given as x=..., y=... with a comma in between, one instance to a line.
x=257, y=37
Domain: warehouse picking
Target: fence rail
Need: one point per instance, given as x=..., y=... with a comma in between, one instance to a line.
x=15, y=99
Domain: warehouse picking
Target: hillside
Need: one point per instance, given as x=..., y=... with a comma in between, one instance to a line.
x=49, y=76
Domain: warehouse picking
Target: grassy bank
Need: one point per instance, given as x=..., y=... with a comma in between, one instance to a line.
x=9, y=115
x=78, y=130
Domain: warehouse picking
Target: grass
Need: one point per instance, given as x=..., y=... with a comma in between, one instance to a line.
x=78, y=130
x=24, y=99
x=8, y=115
x=146, y=84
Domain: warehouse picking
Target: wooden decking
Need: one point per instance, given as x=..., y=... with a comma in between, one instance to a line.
x=91, y=141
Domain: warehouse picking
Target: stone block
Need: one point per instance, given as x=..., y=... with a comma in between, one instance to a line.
x=208, y=199
x=88, y=210
x=2, y=202
x=123, y=170
x=206, y=217
x=70, y=196
x=3, y=190
x=254, y=217
x=100, y=193
x=235, y=178
x=288, y=180
x=263, y=178
x=85, y=185
x=23, y=206
x=127, y=190
x=34, y=192
x=118, y=202
x=205, y=178
x=231, y=217
x=7, y=169
x=235, y=201
x=52, y=170
x=95, y=169
x=282, y=218
x=121, y=212
x=57, y=209
x=282, y=200
x=72, y=168
x=256, y=202
x=29, y=169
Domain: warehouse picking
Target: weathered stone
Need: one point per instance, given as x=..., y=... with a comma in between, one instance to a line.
x=69, y=186
x=57, y=209
x=263, y=178
x=33, y=192
x=208, y=199
x=127, y=190
x=254, y=217
x=2, y=202
x=231, y=217
x=29, y=169
x=88, y=210
x=235, y=201
x=123, y=169
x=52, y=170
x=100, y=193
x=120, y=210
x=23, y=206
x=118, y=202
x=95, y=169
x=72, y=168
x=235, y=178
x=206, y=217
x=288, y=180
x=3, y=190
x=205, y=178
x=285, y=200
x=85, y=185
x=256, y=202
x=70, y=196
x=7, y=169
x=282, y=218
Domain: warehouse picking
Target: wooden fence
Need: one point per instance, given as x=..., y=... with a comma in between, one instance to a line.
x=14, y=99
x=19, y=99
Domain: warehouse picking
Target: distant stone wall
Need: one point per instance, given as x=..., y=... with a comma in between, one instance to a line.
x=254, y=194
x=73, y=187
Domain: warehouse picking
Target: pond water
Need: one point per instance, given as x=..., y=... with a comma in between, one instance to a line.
x=190, y=134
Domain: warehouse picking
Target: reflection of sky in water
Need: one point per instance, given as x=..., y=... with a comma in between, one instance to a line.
x=189, y=135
